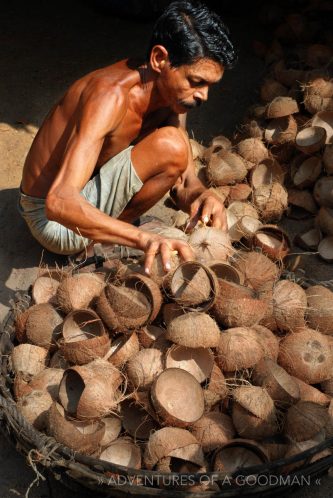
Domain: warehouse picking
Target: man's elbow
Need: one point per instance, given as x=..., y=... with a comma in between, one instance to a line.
x=52, y=207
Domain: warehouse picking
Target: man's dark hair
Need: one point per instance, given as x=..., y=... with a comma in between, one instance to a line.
x=190, y=32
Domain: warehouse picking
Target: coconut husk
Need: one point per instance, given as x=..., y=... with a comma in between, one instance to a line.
x=260, y=273
x=248, y=226
x=210, y=244
x=89, y=391
x=171, y=311
x=269, y=321
x=309, y=239
x=238, y=348
x=278, y=383
x=34, y=408
x=267, y=172
x=328, y=159
x=79, y=291
x=325, y=221
x=282, y=153
x=148, y=335
x=251, y=128
x=212, y=430
x=58, y=361
x=167, y=396
x=172, y=441
x=123, y=452
x=20, y=323
x=122, y=308
x=325, y=249
x=45, y=287
x=28, y=360
x=20, y=387
x=272, y=241
x=271, y=89
x=306, y=355
x=271, y=201
x=252, y=150
x=84, y=437
x=144, y=367
x=218, y=144
x=281, y=130
x=324, y=118
x=157, y=271
x=322, y=191
x=311, y=139
x=217, y=388
x=310, y=393
x=307, y=173
x=43, y=326
x=320, y=308
x=237, y=454
x=47, y=380
x=239, y=192
x=194, y=330
x=113, y=428
x=304, y=200
x=84, y=337
x=269, y=342
x=136, y=421
x=197, y=361
x=304, y=420
x=280, y=107
x=225, y=168
x=148, y=288
x=225, y=271
x=289, y=305
x=122, y=349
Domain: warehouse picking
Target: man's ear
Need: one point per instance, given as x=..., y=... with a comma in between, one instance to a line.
x=159, y=58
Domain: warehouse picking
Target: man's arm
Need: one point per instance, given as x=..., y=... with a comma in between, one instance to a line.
x=190, y=194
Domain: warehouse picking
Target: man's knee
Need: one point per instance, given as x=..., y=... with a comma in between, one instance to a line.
x=172, y=147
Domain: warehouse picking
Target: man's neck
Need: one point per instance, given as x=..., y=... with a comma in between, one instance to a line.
x=148, y=83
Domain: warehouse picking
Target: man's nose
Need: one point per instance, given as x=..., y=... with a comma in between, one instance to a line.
x=201, y=94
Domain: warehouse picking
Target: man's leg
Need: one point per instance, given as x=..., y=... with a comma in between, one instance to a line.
x=159, y=160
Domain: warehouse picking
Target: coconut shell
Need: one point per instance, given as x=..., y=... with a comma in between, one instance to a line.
x=21, y=318
x=272, y=241
x=122, y=308
x=136, y=421
x=148, y=335
x=20, y=387
x=197, y=361
x=304, y=420
x=269, y=342
x=194, y=330
x=318, y=55
x=297, y=447
x=148, y=288
x=113, y=428
x=167, y=395
x=325, y=249
x=304, y=200
x=210, y=244
x=157, y=271
x=47, y=380
x=281, y=130
x=328, y=159
x=311, y=139
x=259, y=272
x=58, y=361
x=327, y=387
x=225, y=168
x=89, y=391
x=122, y=452
x=238, y=348
x=34, y=407
x=310, y=393
x=239, y=192
x=271, y=201
x=289, y=305
x=325, y=221
x=308, y=172
x=306, y=355
x=225, y=271
x=278, y=383
x=43, y=326
x=280, y=107
x=144, y=367
x=309, y=239
x=238, y=453
x=44, y=289
x=122, y=349
x=28, y=360
x=212, y=430
x=79, y=291
x=252, y=150
x=171, y=311
x=172, y=441
x=320, y=308
x=266, y=172
x=84, y=337
x=248, y=226
x=323, y=191
x=324, y=118
x=216, y=389
x=84, y=437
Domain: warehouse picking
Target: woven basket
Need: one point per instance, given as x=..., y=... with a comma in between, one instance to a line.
x=79, y=472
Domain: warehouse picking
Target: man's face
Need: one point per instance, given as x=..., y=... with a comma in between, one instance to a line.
x=186, y=87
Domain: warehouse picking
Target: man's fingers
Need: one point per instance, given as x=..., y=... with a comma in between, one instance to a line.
x=207, y=210
x=185, y=251
x=150, y=255
x=165, y=251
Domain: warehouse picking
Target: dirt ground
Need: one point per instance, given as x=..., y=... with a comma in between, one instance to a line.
x=43, y=49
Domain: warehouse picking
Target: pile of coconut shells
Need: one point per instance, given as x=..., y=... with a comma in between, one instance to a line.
x=215, y=365
x=280, y=159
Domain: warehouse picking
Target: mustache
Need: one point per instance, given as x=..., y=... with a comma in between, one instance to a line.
x=190, y=105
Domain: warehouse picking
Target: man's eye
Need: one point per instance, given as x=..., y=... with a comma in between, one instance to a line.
x=196, y=83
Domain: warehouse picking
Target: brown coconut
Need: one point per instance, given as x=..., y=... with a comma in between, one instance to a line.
x=89, y=391
x=122, y=452
x=113, y=428
x=266, y=172
x=306, y=355
x=269, y=342
x=289, y=305
x=238, y=453
x=260, y=273
x=84, y=337
x=304, y=420
x=271, y=201
x=45, y=287
x=217, y=388
x=278, y=383
x=280, y=107
x=148, y=288
x=252, y=150
x=320, y=308
x=136, y=421
x=325, y=249
x=21, y=318
x=122, y=349
x=197, y=361
x=310, y=393
x=158, y=272
x=248, y=226
x=239, y=192
x=122, y=308
x=238, y=348
x=281, y=130
x=325, y=221
x=34, y=408
x=225, y=168
x=43, y=326
x=328, y=159
x=212, y=430
x=225, y=271
x=28, y=360
x=322, y=191
x=58, y=361
x=303, y=200
x=253, y=412
x=308, y=172
x=149, y=334
x=324, y=118
x=84, y=437
x=47, y=380
x=171, y=311
x=79, y=291
x=211, y=243
x=194, y=330
x=309, y=239
x=272, y=240
x=144, y=367
x=167, y=396
x=172, y=441
x=311, y=139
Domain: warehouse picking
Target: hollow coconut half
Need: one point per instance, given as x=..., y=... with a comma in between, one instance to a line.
x=309, y=239
x=239, y=192
x=238, y=348
x=267, y=172
x=237, y=454
x=311, y=139
x=272, y=240
x=269, y=342
x=210, y=244
x=113, y=428
x=149, y=334
x=281, y=107
x=47, y=380
x=289, y=305
x=45, y=287
x=43, y=326
x=28, y=360
x=325, y=220
x=304, y=420
x=252, y=150
x=123, y=349
x=306, y=355
x=225, y=271
x=319, y=313
x=194, y=330
x=84, y=337
x=325, y=249
x=225, y=168
x=122, y=452
x=304, y=203
x=144, y=367
x=79, y=291
x=197, y=361
x=260, y=273
x=148, y=288
x=34, y=408
x=84, y=437
x=281, y=130
x=324, y=119
x=216, y=389
x=308, y=172
x=136, y=421
x=213, y=430
x=310, y=393
x=173, y=441
x=271, y=201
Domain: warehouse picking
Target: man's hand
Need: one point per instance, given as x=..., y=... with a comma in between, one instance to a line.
x=153, y=244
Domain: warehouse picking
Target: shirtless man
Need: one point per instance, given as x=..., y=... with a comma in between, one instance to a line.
x=116, y=143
